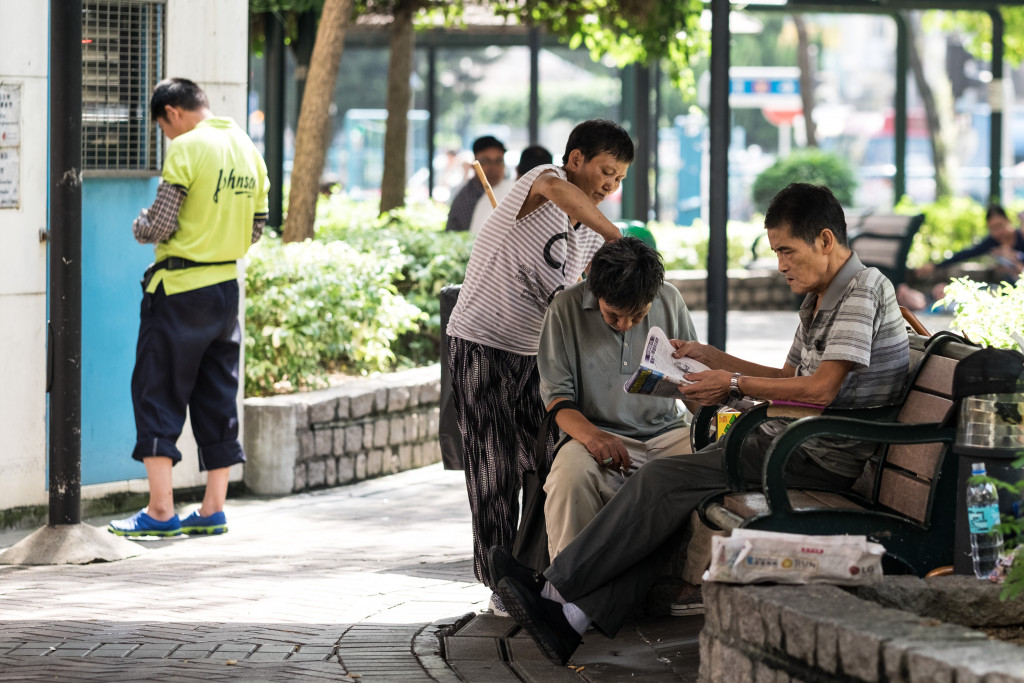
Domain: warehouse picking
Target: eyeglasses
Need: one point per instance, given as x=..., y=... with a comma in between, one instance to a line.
x=484, y=161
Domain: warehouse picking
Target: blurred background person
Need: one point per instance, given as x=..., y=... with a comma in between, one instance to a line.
x=471, y=205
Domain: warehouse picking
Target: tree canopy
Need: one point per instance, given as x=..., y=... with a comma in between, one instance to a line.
x=976, y=28
x=627, y=31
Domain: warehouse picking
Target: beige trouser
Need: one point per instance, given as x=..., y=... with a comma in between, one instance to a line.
x=578, y=487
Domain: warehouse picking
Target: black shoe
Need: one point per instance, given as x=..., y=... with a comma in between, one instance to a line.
x=502, y=564
x=542, y=619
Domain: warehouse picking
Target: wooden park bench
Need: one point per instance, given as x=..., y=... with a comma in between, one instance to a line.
x=906, y=498
x=883, y=241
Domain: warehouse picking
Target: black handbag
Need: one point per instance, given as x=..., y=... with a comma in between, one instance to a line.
x=531, y=543
x=448, y=432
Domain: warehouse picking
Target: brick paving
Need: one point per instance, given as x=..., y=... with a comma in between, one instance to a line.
x=353, y=583
x=346, y=584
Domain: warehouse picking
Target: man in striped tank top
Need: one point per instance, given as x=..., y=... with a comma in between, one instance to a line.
x=850, y=350
x=537, y=242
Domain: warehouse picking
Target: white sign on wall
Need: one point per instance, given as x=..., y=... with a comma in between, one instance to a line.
x=10, y=139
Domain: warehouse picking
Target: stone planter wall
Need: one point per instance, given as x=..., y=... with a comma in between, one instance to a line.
x=748, y=290
x=362, y=429
x=824, y=633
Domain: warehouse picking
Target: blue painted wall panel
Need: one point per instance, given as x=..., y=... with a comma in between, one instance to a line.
x=112, y=265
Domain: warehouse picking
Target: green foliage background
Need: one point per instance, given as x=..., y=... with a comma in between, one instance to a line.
x=360, y=298
x=808, y=165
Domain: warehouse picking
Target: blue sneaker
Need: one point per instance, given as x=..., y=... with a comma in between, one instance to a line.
x=141, y=524
x=195, y=523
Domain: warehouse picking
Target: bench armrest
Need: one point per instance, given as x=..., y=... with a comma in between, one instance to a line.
x=754, y=417
x=773, y=475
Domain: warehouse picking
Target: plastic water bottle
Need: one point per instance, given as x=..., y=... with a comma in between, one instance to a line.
x=982, y=516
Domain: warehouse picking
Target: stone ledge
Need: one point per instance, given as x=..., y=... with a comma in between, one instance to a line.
x=748, y=290
x=363, y=428
x=822, y=632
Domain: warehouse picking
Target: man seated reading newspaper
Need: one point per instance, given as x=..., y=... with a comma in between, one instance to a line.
x=850, y=350
x=593, y=338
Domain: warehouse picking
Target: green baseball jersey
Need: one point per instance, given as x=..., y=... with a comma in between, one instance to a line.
x=226, y=183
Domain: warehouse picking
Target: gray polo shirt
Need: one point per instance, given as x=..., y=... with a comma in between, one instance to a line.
x=583, y=359
x=858, y=321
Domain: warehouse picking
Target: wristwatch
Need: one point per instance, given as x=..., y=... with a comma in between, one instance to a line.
x=734, y=386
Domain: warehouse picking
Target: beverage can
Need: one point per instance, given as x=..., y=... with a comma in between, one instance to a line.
x=726, y=416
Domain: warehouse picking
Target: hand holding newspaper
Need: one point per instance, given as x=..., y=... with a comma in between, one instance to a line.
x=659, y=373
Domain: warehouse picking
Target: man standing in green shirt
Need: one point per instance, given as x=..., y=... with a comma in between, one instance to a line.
x=211, y=205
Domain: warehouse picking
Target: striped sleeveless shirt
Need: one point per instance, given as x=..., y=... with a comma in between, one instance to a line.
x=517, y=267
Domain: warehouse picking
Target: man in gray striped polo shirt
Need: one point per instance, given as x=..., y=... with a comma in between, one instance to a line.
x=850, y=350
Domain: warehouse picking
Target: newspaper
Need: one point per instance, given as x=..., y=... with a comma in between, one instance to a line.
x=754, y=556
x=659, y=373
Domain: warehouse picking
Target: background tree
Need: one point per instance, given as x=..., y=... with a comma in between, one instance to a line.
x=312, y=134
x=937, y=99
x=402, y=43
x=806, y=79
x=975, y=31
x=628, y=31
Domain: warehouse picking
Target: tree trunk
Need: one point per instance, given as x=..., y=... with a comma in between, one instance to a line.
x=806, y=79
x=399, y=101
x=314, y=129
x=939, y=117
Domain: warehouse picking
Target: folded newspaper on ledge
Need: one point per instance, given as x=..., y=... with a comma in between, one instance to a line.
x=753, y=556
x=659, y=373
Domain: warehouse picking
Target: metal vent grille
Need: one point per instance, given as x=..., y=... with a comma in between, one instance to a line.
x=122, y=59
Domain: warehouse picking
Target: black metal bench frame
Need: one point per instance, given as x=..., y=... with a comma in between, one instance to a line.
x=919, y=537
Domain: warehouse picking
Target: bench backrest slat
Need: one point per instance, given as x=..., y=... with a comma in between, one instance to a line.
x=936, y=375
x=905, y=472
x=920, y=459
x=905, y=494
x=884, y=224
x=922, y=407
x=878, y=251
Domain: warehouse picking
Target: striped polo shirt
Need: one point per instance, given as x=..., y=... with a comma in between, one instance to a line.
x=517, y=267
x=858, y=321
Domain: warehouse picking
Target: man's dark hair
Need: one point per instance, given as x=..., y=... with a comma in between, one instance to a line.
x=487, y=142
x=533, y=156
x=626, y=273
x=995, y=210
x=807, y=210
x=596, y=136
x=176, y=92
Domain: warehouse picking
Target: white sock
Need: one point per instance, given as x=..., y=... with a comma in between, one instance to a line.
x=576, y=618
x=551, y=593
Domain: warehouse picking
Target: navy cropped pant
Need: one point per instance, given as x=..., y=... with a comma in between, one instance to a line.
x=188, y=357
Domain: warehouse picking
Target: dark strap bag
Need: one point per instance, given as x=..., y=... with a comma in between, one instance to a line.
x=449, y=434
x=531, y=543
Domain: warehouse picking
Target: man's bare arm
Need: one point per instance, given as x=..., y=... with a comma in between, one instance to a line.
x=572, y=200
x=601, y=444
x=821, y=388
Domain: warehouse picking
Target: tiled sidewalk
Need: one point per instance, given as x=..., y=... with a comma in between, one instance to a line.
x=346, y=584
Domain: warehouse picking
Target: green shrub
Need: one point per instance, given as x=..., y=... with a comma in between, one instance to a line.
x=987, y=315
x=315, y=307
x=686, y=247
x=809, y=165
x=433, y=258
x=362, y=297
x=950, y=224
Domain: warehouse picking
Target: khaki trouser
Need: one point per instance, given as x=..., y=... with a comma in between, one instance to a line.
x=578, y=487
